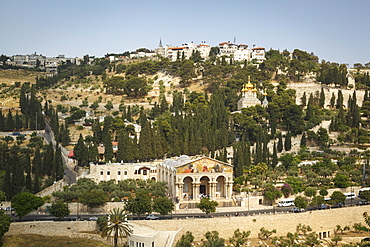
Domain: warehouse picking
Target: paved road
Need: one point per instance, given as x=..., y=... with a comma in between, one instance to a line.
x=69, y=174
x=227, y=212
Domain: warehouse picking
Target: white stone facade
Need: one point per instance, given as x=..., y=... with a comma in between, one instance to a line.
x=191, y=179
x=188, y=179
x=121, y=171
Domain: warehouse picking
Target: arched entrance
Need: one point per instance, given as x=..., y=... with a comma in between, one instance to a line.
x=204, y=186
x=220, y=186
x=187, y=190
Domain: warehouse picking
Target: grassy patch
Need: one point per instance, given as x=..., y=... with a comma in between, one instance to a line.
x=48, y=241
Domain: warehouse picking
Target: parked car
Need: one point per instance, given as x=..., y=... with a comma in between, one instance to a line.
x=363, y=202
x=152, y=217
x=297, y=210
x=9, y=209
x=323, y=206
x=93, y=218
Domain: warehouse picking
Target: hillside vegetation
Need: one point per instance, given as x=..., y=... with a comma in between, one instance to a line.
x=190, y=107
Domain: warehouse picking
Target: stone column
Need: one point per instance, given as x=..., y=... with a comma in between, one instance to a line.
x=213, y=189
x=196, y=186
x=178, y=193
x=229, y=190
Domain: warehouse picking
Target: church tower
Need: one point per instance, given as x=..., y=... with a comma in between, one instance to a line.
x=249, y=96
x=160, y=50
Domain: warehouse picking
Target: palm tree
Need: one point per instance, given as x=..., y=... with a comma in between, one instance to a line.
x=117, y=225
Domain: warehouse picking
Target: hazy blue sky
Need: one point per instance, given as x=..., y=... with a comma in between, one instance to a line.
x=335, y=30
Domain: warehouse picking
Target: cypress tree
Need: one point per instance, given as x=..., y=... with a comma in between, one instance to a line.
x=129, y=115
x=304, y=99
x=146, y=141
x=36, y=162
x=280, y=143
x=17, y=169
x=80, y=152
x=309, y=110
x=121, y=146
x=27, y=168
x=332, y=100
x=288, y=142
x=366, y=95
x=97, y=132
x=10, y=122
x=58, y=164
x=107, y=139
x=322, y=98
x=93, y=153
x=339, y=100
x=2, y=121
x=18, y=122
x=48, y=156
x=303, y=140
x=274, y=161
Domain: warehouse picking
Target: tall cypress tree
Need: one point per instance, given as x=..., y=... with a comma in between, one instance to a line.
x=58, y=165
x=322, y=98
x=10, y=121
x=36, y=165
x=27, y=168
x=121, y=146
x=146, y=141
x=280, y=145
x=107, y=139
x=274, y=161
x=303, y=140
x=332, y=100
x=288, y=142
x=80, y=152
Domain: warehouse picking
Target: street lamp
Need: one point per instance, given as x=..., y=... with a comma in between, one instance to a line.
x=350, y=177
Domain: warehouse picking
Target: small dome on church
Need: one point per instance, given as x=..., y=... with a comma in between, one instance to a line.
x=249, y=86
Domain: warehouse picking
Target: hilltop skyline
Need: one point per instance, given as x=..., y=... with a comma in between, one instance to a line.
x=335, y=31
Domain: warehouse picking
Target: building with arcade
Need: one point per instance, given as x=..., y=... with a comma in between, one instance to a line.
x=190, y=180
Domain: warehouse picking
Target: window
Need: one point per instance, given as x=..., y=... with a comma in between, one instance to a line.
x=119, y=173
x=125, y=173
x=144, y=172
x=108, y=173
x=101, y=173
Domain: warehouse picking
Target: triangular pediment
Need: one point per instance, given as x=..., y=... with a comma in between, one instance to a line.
x=204, y=164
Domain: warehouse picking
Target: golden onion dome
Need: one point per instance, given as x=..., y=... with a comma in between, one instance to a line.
x=249, y=85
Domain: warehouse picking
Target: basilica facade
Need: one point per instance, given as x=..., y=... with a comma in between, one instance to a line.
x=192, y=179
x=188, y=179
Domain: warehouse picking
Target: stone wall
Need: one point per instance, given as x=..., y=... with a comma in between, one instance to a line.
x=320, y=221
x=72, y=229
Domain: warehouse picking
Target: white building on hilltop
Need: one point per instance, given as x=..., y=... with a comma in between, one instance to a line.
x=236, y=52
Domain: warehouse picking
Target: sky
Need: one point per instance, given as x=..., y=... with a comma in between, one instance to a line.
x=334, y=30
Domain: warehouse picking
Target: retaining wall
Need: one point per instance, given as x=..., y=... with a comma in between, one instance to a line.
x=320, y=221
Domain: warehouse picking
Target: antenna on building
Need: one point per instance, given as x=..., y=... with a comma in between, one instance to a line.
x=234, y=40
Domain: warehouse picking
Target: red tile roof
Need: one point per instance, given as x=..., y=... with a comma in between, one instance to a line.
x=258, y=48
x=177, y=48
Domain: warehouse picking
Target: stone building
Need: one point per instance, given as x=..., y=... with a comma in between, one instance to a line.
x=120, y=171
x=191, y=179
x=249, y=97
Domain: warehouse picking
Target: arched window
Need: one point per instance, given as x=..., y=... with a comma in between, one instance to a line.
x=108, y=173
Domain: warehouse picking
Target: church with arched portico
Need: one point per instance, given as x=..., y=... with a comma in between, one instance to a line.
x=190, y=180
